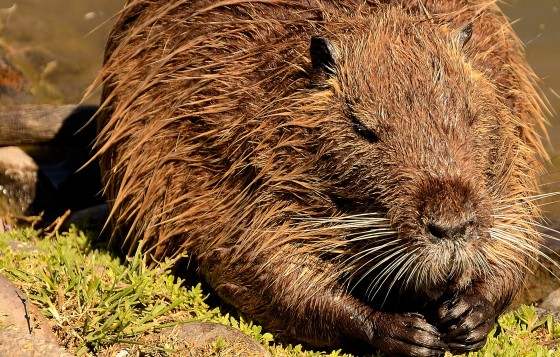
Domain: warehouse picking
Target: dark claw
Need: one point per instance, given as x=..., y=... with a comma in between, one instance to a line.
x=453, y=310
x=474, y=328
x=408, y=335
x=461, y=348
x=466, y=321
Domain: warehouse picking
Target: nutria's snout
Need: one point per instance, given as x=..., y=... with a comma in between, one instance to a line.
x=452, y=210
x=445, y=222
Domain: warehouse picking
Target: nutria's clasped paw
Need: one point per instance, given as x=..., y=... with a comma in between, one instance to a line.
x=353, y=173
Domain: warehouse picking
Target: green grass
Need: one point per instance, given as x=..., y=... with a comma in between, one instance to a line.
x=98, y=304
x=93, y=299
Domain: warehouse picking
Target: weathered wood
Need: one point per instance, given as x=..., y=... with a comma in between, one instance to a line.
x=41, y=124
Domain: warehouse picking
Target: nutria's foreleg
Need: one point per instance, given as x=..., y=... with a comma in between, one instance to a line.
x=466, y=320
x=317, y=313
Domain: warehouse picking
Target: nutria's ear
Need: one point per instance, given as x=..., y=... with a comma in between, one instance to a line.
x=322, y=54
x=465, y=34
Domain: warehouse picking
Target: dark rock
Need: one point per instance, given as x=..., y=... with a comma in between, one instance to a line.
x=92, y=218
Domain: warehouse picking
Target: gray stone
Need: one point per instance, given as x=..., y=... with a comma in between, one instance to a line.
x=24, y=331
x=18, y=314
x=93, y=218
x=16, y=344
x=552, y=301
x=199, y=335
x=543, y=313
x=18, y=181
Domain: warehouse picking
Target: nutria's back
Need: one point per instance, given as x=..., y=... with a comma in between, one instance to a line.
x=347, y=162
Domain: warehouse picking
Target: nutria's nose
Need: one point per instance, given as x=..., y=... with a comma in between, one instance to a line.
x=450, y=231
x=451, y=209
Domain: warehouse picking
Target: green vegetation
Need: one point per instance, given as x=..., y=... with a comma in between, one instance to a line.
x=98, y=305
x=522, y=333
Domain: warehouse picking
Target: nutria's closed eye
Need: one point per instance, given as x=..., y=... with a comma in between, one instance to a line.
x=362, y=130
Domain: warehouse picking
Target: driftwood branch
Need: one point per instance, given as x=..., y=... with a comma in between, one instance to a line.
x=41, y=124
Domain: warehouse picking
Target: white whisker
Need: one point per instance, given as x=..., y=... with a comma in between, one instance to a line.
x=365, y=252
x=388, y=257
x=506, y=238
x=534, y=224
x=537, y=251
x=525, y=199
x=380, y=279
x=403, y=269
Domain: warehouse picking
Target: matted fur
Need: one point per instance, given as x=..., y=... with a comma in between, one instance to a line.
x=217, y=138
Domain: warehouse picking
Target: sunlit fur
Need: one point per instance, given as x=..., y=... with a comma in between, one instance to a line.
x=218, y=139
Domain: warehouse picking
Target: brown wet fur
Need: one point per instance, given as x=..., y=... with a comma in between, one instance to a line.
x=375, y=193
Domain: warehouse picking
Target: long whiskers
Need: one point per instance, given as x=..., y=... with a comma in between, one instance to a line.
x=404, y=268
x=394, y=264
x=520, y=244
x=510, y=202
x=534, y=224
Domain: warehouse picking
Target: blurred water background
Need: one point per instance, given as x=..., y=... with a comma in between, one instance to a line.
x=59, y=44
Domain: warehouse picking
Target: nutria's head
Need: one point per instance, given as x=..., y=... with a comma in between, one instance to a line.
x=421, y=154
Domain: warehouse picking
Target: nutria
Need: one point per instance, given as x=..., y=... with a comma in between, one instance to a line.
x=347, y=173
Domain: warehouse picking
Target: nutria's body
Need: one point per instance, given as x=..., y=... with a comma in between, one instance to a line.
x=346, y=172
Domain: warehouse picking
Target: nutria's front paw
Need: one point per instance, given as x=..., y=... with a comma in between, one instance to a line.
x=408, y=335
x=465, y=322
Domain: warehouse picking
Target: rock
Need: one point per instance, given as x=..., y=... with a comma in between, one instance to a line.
x=15, y=344
x=18, y=246
x=46, y=179
x=67, y=124
x=47, y=176
x=552, y=301
x=543, y=313
x=24, y=331
x=18, y=181
x=92, y=218
x=18, y=314
x=204, y=338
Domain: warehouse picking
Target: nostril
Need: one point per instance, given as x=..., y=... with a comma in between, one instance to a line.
x=441, y=231
x=436, y=231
